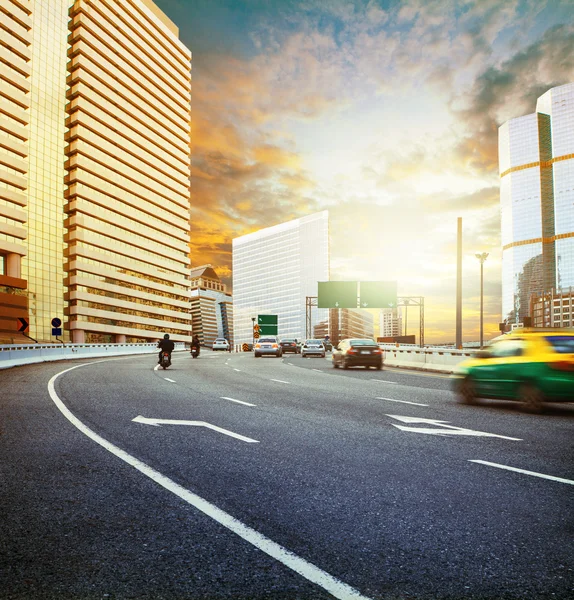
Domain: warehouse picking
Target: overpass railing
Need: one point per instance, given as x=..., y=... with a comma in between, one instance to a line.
x=12, y=355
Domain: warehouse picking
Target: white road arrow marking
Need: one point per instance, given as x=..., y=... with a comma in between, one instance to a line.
x=447, y=429
x=159, y=422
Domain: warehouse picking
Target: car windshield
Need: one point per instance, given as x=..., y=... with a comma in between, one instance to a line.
x=268, y=340
x=563, y=344
x=314, y=342
x=362, y=343
x=287, y=340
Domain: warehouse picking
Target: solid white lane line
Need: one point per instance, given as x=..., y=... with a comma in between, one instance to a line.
x=533, y=473
x=238, y=401
x=384, y=381
x=331, y=584
x=279, y=381
x=168, y=379
x=402, y=401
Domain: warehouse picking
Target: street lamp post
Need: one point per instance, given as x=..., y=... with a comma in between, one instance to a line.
x=481, y=257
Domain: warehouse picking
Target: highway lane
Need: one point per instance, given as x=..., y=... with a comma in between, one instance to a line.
x=331, y=478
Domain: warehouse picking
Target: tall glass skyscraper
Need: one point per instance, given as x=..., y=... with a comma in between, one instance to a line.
x=94, y=170
x=536, y=160
x=275, y=269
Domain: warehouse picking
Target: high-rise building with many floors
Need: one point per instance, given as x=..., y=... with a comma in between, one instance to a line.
x=274, y=270
x=211, y=306
x=536, y=160
x=95, y=163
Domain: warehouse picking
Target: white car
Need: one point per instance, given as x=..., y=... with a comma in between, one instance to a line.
x=221, y=344
x=313, y=347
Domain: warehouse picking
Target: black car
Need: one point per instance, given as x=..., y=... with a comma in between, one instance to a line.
x=289, y=345
x=357, y=353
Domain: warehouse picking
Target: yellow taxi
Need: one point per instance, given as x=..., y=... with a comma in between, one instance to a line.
x=531, y=366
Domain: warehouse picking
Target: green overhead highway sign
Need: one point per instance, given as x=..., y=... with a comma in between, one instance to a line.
x=378, y=294
x=337, y=294
x=267, y=319
x=268, y=324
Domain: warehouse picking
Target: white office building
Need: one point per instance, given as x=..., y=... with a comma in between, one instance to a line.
x=275, y=270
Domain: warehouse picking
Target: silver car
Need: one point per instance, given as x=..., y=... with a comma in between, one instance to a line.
x=313, y=347
x=267, y=346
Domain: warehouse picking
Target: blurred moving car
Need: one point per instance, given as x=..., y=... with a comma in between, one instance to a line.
x=313, y=348
x=289, y=345
x=529, y=366
x=267, y=346
x=221, y=344
x=357, y=353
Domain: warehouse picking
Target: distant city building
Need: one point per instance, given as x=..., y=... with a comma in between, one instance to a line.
x=390, y=322
x=275, y=269
x=211, y=306
x=94, y=171
x=351, y=323
x=553, y=309
x=536, y=160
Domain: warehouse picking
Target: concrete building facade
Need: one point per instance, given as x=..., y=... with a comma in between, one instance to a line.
x=98, y=217
x=211, y=306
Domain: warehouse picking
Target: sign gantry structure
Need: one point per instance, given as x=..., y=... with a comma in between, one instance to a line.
x=362, y=294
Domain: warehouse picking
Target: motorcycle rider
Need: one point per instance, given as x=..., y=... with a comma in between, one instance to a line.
x=166, y=345
x=195, y=343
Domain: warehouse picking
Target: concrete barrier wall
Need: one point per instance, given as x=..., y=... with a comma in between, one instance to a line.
x=441, y=360
x=13, y=355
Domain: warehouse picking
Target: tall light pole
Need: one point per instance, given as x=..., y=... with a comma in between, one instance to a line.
x=481, y=257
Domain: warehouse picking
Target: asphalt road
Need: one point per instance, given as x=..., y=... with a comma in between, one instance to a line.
x=276, y=479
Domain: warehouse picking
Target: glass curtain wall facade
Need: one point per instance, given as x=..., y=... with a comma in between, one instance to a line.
x=43, y=266
x=536, y=160
x=274, y=270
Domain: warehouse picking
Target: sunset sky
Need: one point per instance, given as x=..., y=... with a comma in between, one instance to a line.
x=386, y=113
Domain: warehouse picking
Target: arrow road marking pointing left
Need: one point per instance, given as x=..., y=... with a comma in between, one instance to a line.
x=159, y=422
x=446, y=429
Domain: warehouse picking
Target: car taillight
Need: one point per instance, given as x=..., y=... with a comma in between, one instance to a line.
x=352, y=351
x=562, y=365
x=378, y=351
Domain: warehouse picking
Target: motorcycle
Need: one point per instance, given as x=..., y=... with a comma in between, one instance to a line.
x=165, y=360
x=194, y=351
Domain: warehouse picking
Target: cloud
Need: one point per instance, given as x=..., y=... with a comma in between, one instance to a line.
x=511, y=90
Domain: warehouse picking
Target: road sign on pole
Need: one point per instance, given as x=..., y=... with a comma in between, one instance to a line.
x=268, y=324
x=337, y=294
x=23, y=325
x=378, y=294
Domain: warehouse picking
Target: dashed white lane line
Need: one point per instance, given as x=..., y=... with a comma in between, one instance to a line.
x=385, y=381
x=314, y=574
x=279, y=380
x=238, y=370
x=238, y=401
x=168, y=379
x=318, y=370
x=402, y=401
x=533, y=473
